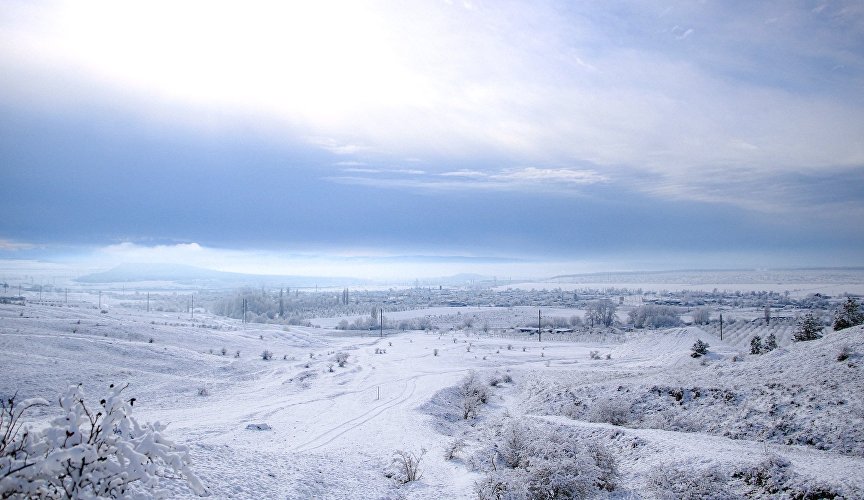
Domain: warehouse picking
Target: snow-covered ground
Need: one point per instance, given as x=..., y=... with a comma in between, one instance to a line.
x=331, y=431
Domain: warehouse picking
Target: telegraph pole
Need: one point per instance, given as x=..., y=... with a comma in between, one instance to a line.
x=721, y=326
x=192, y=308
x=148, y=302
x=539, y=328
x=100, y=299
x=381, y=317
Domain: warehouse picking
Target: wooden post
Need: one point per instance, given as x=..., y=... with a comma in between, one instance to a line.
x=721, y=326
x=539, y=328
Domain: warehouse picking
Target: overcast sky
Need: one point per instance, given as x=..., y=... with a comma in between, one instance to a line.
x=428, y=137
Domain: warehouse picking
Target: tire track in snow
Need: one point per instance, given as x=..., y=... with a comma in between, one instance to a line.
x=331, y=434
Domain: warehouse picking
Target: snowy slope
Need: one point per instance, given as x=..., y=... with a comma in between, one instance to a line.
x=331, y=431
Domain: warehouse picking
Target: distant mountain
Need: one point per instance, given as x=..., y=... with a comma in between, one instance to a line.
x=197, y=276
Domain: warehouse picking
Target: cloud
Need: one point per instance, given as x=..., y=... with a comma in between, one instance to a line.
x=561, y=180
x=13, y=246
x=604, y=84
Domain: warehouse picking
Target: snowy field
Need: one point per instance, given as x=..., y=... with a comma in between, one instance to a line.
x=636, y=411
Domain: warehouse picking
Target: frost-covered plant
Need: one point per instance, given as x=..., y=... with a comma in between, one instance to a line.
x=90, y=451
x=699, y=348
x=849, y=315
x=844, y=353
x=266, y=355
x=341, y=358
x=610, y=412
x=702, y=316
x=670, y=482
x=453, y=449
x=770, y=343
x=766, y=477
x=808, y=328
x=535, y=463
x=756, y=345
x=473, y=393
x=405, y=466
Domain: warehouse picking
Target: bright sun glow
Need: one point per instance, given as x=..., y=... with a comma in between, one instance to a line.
x=318, y=61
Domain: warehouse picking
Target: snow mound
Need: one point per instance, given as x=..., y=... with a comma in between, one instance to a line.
x=672, y=346
x=806, y=394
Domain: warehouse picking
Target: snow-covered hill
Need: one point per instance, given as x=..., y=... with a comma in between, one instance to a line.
x=300, y=426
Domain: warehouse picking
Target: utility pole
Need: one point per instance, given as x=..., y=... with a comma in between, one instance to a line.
x=539, y=328
x=148, y=302
x=100, y=300
x=244, y=310
x=721, y=326
x=192, y=309
x=381, y=317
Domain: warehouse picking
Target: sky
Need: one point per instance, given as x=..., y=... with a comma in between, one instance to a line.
x=422, y=138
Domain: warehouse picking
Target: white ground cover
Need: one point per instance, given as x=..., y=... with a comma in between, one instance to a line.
x=300, y=426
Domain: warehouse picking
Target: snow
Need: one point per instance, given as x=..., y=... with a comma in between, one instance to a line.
x=301, y=426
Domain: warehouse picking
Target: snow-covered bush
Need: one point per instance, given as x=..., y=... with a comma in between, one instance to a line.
x=844, y=353
x=266, y=355
x=674, y=483
x=405, y=466
x=699, y=348
x=849, y=315
x=453, y=449
x=770, y=343
x=654, y=316
x=756, y=345
x=473, y=394
x=702, y=316
x=341, y=358
x=90, y=451
x=808, y=328
x=610, y=412
x=535, y=462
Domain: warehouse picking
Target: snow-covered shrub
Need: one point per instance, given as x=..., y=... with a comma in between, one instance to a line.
x=654, y=316
x=90, y=451
x=770, y=343
x=808, y=328
x=674, y=483
x=512, y=447
x=610, y=412
x=849, y=315
x=767, y=477
x=756, y=345
x=500, y=378
x=341, y=358
x=538, y=463
x=266, y=355
x=453, y=449
x=699, y=348
x=594, y=354
x=202, y=391
x=405, y=466
x=844, y=353
x=702, y=316
x=473, y=394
